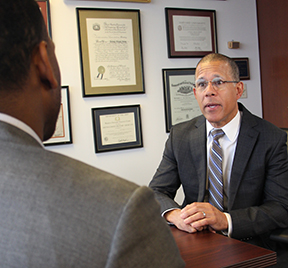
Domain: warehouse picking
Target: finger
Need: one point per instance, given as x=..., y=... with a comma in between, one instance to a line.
x=188, y=212
x=196, y=217
x=187, y=228
x=200, y=229
x=193, y=208
x=190, y=207
x=211, y=230
x=199, y=224
x=192, y=229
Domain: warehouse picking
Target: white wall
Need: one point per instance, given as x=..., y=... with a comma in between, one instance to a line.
x=236, y=20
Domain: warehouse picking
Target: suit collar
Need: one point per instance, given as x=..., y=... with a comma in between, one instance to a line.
x=11, y=133
x=21, y=125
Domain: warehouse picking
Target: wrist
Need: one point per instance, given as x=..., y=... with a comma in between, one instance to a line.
x=171, y=215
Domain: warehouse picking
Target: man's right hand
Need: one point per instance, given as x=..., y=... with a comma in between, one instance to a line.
x=173, y=216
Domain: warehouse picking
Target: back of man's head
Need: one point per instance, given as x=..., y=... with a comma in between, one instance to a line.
x=21, y=28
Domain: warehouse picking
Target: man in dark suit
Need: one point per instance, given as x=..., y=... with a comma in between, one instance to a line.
x=254, y=163
x=56, y=211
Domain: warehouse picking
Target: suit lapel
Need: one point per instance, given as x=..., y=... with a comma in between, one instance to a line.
x=199, y=155
x=245, y=145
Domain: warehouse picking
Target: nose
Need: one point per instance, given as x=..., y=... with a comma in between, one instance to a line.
x=210, y=90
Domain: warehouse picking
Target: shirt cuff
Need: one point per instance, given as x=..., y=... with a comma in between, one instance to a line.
x=167, y=210
x=229, y=220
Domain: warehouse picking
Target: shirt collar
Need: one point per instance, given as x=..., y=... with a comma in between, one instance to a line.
x=19, y=124
x=231, y=129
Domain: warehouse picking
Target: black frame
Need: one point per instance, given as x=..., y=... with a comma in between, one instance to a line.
x=170, y=12
x=184, y=88
x=46, y=14
x=88, y=88
x=243, y=65
x=116, y=110
x=66, y=121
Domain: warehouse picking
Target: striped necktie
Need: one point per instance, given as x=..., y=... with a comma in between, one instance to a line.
x=215, y=175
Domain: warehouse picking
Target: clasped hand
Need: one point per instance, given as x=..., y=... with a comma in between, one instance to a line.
x=197, y=217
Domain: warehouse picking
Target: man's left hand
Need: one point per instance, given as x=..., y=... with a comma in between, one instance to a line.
x=202, y=215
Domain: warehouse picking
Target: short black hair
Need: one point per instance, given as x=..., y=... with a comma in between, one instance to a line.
x=224, y=58
x=22, y=28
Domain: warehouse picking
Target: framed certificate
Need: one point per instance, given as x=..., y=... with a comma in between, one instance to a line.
x=45, y=9
x=190, y=32
x=117, y=128
x=111, y=52
x=180, y=103
x=62, y=134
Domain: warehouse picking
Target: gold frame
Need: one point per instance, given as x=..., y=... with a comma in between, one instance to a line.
x=98, y=13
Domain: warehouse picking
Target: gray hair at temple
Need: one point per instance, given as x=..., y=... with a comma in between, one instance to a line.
x=22, y=28
x=220, y=57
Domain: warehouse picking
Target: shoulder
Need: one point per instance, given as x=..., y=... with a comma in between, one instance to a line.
x=190, y=125
x=266, y=132
x=83, y=173
x=257, y=123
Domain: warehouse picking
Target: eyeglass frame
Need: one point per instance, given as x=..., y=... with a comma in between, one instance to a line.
x=213, y=83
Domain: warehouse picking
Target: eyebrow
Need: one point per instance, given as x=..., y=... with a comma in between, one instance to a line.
x=203, y=79
x=200, y=79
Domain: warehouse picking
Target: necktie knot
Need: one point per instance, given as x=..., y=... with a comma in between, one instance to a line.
x=217, y=134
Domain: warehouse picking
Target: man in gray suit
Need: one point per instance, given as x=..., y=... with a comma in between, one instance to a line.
x=254, y=163
x=56, y=211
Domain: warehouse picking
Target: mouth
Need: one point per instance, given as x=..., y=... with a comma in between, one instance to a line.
x=212, y=105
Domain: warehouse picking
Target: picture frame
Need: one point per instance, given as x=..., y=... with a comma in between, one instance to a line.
x=44, y=6
x=62, y=134
x=110, y=51
x=117, y=128
x=179, y=99
x=190, y=32
x=243, y=65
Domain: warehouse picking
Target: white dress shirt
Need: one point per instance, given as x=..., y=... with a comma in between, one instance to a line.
x=19, y=124
x=228, y=144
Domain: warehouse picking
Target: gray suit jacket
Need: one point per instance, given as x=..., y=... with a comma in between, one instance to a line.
x=258, y=194
x=59, y=212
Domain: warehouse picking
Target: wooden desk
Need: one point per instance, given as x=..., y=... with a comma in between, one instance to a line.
x=206, y=249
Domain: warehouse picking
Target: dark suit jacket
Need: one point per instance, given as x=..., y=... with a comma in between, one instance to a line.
x=258, y=194
x=59, y=212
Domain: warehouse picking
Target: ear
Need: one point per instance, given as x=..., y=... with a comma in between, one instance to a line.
x=195, y=93
x=43, y=64
x=239, y=89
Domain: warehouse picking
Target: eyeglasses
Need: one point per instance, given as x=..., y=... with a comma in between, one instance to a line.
x=216, y=83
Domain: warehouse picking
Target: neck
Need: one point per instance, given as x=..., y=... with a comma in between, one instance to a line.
x=23, y=107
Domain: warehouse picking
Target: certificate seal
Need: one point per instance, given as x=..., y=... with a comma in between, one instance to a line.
x=96, y=27
x=101, y=71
